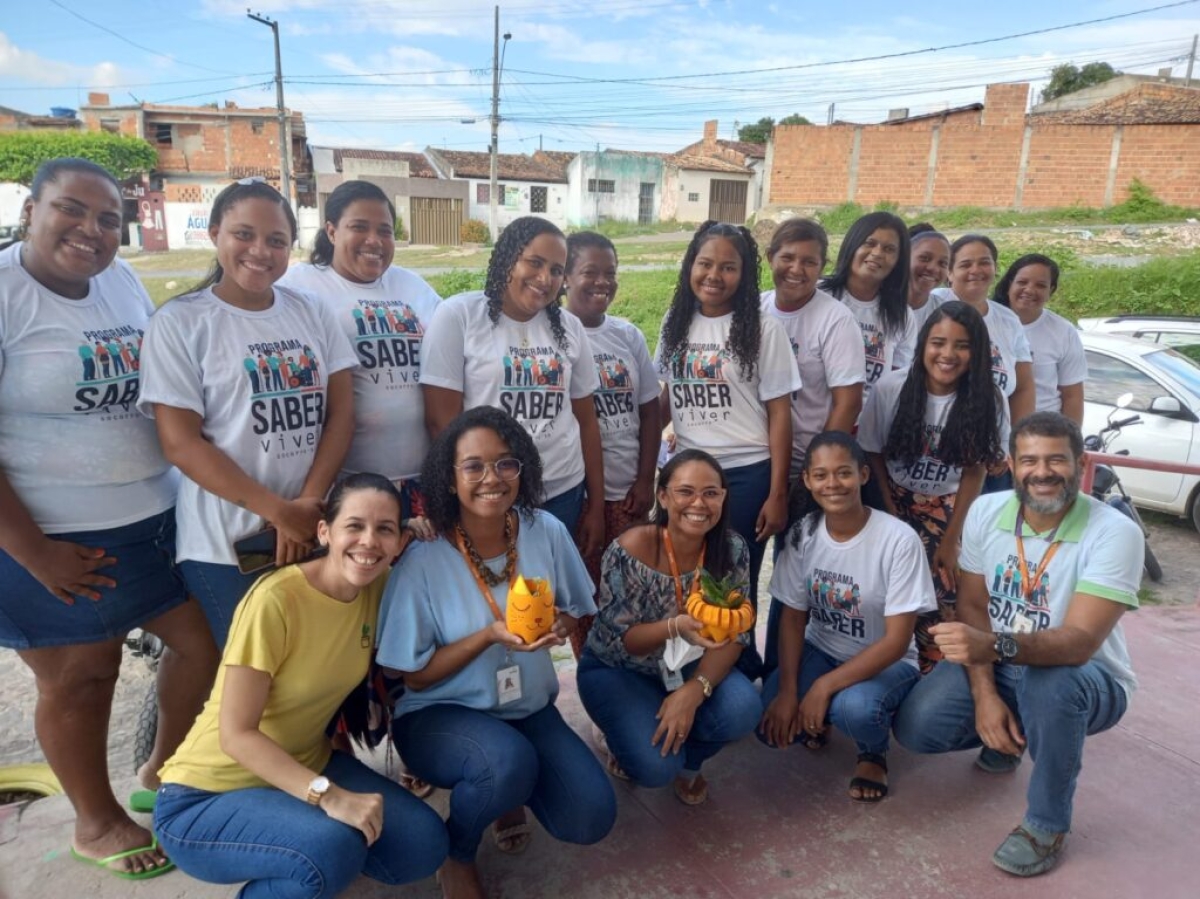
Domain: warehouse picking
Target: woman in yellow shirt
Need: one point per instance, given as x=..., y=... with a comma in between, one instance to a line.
x=256, y=792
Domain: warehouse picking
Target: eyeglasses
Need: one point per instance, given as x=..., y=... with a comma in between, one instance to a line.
x=474, y=470
x=689, y=494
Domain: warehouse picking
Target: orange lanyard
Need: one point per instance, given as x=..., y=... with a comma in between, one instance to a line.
x=1027, y=582
x=483, y=588
x=675, y=568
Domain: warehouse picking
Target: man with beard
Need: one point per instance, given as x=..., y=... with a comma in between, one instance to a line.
x=1047, y=666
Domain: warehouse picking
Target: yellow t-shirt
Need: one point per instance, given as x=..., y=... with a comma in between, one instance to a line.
x=316, y=650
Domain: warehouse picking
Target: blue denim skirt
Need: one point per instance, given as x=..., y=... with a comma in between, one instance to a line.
x=148, y=584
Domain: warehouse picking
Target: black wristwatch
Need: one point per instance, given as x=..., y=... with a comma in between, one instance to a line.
x=1006, y=647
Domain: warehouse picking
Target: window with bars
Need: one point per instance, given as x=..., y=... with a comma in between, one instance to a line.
x=601, y=186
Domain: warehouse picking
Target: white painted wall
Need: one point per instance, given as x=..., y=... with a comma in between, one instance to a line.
x=516, y=197
x=187, y=225
x=11, y=198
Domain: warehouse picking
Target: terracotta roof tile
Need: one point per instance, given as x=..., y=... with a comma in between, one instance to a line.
x=418, y=165
x=706, y=164
x=745, y=147
x=510, y=166
x=1146, y=104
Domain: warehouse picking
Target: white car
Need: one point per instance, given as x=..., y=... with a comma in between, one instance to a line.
x=1180, y=332
x=1166, y=394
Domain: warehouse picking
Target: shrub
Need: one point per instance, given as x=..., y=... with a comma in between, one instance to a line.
x=400, y=232
x=474, y=231
x=458, y=280
x=839, y=219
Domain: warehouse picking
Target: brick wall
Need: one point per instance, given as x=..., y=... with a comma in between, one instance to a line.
x=979, y=161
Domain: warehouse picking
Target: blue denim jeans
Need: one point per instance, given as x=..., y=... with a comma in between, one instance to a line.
x=288, y=849
x=218, y=588
x=749, y=487
x=623, y=703
x=864, y=711
x=492, y=765
x=1057, y=707
x=567, y=506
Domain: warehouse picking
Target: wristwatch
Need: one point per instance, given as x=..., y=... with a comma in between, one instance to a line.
x=1005, y=647
x=705, y=685
x=317, y=788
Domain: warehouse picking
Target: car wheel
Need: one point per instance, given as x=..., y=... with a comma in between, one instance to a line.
x=1196, y=509
x=1153, y=569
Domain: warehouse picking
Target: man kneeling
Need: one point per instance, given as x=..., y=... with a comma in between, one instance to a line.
x=1041, y=659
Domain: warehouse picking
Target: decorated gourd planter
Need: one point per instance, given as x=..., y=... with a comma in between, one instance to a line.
x=529, y=612
x=720, y=606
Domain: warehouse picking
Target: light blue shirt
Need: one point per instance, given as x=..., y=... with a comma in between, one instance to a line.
x=432, y=600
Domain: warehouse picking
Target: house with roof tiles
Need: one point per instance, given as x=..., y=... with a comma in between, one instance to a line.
x=528, y=184
x=432, y=208
x=744, y=154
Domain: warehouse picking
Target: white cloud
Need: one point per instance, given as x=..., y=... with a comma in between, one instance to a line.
x=27, y=66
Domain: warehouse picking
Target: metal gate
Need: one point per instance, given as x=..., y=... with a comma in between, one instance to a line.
x=727, y=201
x=646, y=203
x=436, y=220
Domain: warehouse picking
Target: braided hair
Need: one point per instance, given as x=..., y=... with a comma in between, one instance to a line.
x=745, y=333
x=971, y=435
x=893, y=292
x=509, y=247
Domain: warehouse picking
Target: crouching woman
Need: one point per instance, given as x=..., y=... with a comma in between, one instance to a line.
x=256, y=793
x=853, y=581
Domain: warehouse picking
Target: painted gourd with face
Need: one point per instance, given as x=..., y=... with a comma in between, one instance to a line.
x=530, y=610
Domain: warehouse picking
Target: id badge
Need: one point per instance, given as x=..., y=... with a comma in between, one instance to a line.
x=508, y=684
x=1022, y=624
x=672, y=680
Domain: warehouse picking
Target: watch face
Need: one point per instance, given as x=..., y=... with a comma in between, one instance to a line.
x=319, y=784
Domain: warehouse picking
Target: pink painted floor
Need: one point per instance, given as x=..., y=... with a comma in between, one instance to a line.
x=780, y=825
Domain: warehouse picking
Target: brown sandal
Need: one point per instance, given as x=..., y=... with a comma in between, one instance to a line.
x=694, y=792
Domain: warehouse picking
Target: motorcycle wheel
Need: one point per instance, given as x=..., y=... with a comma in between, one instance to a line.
x=147, y=728
x=1153, y=569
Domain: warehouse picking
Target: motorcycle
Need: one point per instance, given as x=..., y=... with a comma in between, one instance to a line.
x=1106, y=484
x=149, y=648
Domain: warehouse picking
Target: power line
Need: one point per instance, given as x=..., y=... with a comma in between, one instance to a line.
x=122, y=37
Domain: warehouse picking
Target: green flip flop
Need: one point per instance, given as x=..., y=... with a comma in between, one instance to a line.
x=103, y=863
x=142, y=801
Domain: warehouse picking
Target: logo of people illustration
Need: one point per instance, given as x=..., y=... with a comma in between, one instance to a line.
x=1006, y=581
x=112, y=358
x=524, y=368
x=278, y=370
x=844, y=598
x=614, y=375
x=700, y=363
x=374, y=319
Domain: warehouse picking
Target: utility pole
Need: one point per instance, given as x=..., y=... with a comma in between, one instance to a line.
x=497, y=66
x=285, y=150
x=1187, y=81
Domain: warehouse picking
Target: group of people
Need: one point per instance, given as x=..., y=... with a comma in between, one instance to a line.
x=499, y=438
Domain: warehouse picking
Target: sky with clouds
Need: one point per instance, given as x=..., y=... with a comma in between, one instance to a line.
x=577, y=74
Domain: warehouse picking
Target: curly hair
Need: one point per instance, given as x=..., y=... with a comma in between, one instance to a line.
x=509, y=247
x=893, y=292
x=438, y=475
x=1005, y=284
x=745, y=331
x=335, y=207
x=803, y=507
x=586, y=240
x=718, y=560
x=233, y=194
x=971, y=435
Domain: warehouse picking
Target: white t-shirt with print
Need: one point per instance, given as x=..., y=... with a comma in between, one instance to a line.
x=1009, y=343
x=920, y=316
x=849, y=588
x=519, y=367
x=1101, y=554
x=258, y=379
x=884, y=351
x=72, y=443
x=928, y=475
x=713, y=407
x=828, y=347
x=1058, y=358
x=627, y=380
x=385, y=321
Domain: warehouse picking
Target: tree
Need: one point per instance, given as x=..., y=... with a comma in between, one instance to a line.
x=794, y=119
x=21, y=152
x=1068, y=78
x=760, y=131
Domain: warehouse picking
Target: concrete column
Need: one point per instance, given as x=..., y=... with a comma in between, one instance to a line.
x=855, y=150
x=1022, y=168
x=1110, y=186
x=935, y=139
